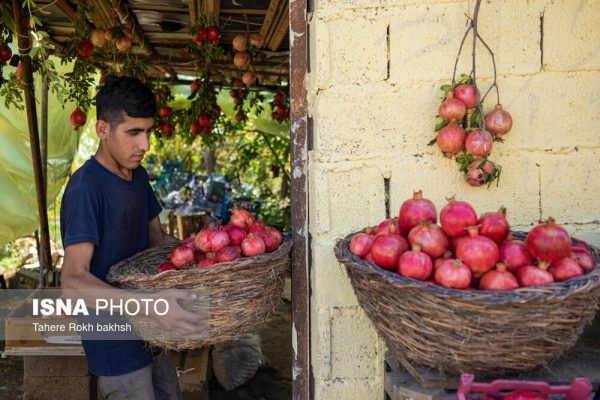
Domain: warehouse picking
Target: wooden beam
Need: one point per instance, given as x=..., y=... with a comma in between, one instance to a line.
x=128, y=19
x=184, y=10
x=194, y=14
x=280, y=21
x=102, y=14
x=280, y=33
x=21, y=25
x=66, y=9
x=211, y=8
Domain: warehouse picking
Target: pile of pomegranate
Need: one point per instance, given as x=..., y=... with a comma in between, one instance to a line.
x=469, y=252
x=244, y=236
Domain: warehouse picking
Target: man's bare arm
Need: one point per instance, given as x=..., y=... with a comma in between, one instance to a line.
x=157, y=236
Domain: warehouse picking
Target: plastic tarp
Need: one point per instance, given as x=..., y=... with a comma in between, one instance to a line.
x=18, y=201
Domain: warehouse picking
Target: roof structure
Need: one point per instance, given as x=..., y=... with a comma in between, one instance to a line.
x=161, y=28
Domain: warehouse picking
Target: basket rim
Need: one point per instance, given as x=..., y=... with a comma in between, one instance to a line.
x=218, y=268
x=556, y=290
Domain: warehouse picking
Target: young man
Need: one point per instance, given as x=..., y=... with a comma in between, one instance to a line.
x=109, y=212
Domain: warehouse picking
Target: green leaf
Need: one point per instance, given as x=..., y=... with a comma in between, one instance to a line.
x=432, y=141
x=440, y=125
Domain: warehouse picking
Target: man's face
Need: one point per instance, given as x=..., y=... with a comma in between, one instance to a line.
x=129, y=141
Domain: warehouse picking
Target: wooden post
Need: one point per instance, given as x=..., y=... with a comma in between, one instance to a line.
x=21, y=23
x=302, y=377
x=44, y=150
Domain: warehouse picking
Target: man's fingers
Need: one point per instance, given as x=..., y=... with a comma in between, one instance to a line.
x=181, y=294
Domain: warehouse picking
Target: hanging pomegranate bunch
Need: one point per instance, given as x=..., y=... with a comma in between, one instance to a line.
x=465, y=132
x=460, y=133
x=469, y=252
x=163, y=119
x=204, y=112
x=204, y=40
x=281, y=106
x=246, y=48
x=239, y=93
x=244, y=236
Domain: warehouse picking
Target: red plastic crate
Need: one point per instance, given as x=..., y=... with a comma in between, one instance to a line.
x=579, y=389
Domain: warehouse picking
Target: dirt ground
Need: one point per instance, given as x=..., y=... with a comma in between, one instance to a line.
x=271, y=382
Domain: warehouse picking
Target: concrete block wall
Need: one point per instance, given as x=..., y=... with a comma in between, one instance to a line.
x=375, y=71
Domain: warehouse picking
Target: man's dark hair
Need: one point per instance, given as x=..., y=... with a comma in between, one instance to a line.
x=124, y=96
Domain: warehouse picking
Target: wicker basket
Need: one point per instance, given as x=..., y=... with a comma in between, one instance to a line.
x=474, y=331
x=238, y=296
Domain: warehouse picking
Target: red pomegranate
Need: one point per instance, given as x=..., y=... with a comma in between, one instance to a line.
x=369, y=258
x=456, y=216
x=249, y=78
x=498, y=122
x=530, y=275
x=498, y=279
x=361, y=244
x=5, y=52
x=415, y=210
x=276, y=235
x=415, y=264
x=549, y=242
x=165, y=267
x=494, y=225
x=452, y=109
x=123, y=43
x=218, y=240
x=182, y=255
x=213, y=34
x=451, y=139
x=195, y=128
x=201, y=241
x=583, y=258
x=475, y=176
x=386, y=249
x=229, y=253
x=236, y=235
x=239, y=42
x=566, y=268
x=85, y=49
x=166, y=129
x=78, y=118
x=453, y=274
x=165, y=112
x=478, y=252
x=390, y=226
x=479, y=143
x=205, y=263
x=514, y=254
x=241, y=60
x=253, y=245
x=466, y=94
x=430, y=237
x=204, y=120
x=199, y=38
x=241, y=217
x=446, y=256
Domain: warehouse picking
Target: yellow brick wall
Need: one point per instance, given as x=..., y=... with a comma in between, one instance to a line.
x=375, y=71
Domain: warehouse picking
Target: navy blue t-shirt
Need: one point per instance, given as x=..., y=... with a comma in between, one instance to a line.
x=102, y=208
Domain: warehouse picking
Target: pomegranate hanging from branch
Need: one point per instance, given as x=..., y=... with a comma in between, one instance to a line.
x=464, y=131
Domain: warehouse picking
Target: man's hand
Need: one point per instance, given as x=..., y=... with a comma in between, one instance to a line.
x=178, y=320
